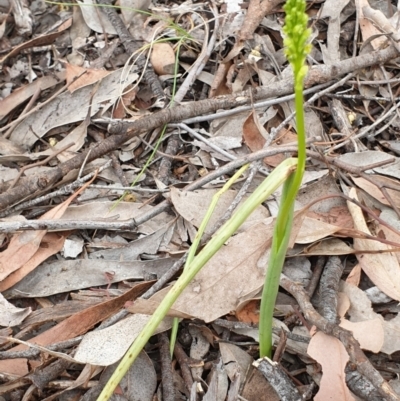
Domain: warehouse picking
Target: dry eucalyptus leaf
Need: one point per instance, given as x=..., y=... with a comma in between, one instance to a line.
x=105, y=347
x=330, y=353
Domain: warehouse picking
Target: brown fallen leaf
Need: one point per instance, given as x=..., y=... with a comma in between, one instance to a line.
x=314, y=230
x=23, y=93
x=50, y=245
x=368, y=29
x=330, y=353
x=74, y=326
x=193, y=205
x=23, y=246
x=251, y=134
x=255, y=141
x=87, y=76
x=375, y=192
x=355, y=275
x=361, y=310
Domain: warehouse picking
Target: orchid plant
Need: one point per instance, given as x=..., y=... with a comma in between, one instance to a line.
x=289, y=173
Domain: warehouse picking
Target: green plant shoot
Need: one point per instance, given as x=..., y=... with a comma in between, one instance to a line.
x=296, y=50
x=262, y=192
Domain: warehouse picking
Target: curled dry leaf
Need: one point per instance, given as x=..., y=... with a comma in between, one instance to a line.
x=94, y=19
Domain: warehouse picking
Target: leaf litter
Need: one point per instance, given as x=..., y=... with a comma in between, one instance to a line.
x=74, y=81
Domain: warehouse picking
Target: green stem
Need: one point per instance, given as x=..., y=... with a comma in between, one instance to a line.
x=282, y=230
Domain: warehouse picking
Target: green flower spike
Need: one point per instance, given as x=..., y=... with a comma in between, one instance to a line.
x=296, y=36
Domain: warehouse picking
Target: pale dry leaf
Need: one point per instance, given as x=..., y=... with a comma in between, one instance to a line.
x=365, y=159
x=382, y=268
x=231, y=274
x=193, y=205
x=69, y=275
x=313, y=230
x=10, y=315
x=95, y=19
x=390, y=236
x=328, y=247
x=148, y=244
x=369, y=334
x=361, y=310
x=8, y=148
x=368, y=29
x=131, y=9
x=105, y=347
x=79, y=32
x=343, y=304
x=77, y=136
x=228, y=276
x=325, y=185
x=75, y=325
x=140, y=381
x=218, y=383
x=330, y=353
x=204, y=76
x=332, y=9
x=51, y=244
x=355, y=275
